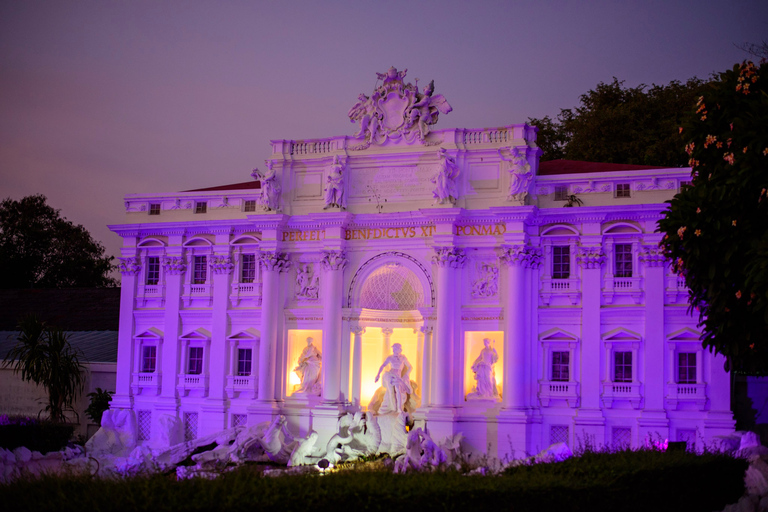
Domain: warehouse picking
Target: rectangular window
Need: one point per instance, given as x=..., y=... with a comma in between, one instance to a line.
x=248, y=268
x=561, y=192
x=622, y=438
x=249, y=205
x=561, y=262
x=201, y=270
x=243, y=362
x=561, y=371
x=201, y=207
x=623, y=260
x=148, y=359
x=144, y=419
x=622, y=367
x=558, y=434
x=686, y=368
x=622, y=190
x=239, y=420
x=195, y=364
x=190, y=426
x=154, y=209
x=153, y=270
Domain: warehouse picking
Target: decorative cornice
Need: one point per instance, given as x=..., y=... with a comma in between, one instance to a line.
x=275, y=261
x=334, y=260
x=129, y=266
x=221, y=264
x=451, y=257
x=174, y=265
x=590, y=257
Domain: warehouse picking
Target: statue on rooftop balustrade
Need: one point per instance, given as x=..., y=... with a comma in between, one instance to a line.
x=334, y=186
x=397, y=111
x=445, y=179
x=485, y=375
x=308, y=369
x=269, y=195
x=520, y=175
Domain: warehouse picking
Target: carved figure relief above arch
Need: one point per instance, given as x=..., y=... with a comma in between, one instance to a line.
x=383, y=269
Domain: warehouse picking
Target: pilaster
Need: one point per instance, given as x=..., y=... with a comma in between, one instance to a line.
x=129, y=268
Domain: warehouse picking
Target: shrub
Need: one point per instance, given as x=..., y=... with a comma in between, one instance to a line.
x=99, y=403
x=625, y=481
x=40, y=436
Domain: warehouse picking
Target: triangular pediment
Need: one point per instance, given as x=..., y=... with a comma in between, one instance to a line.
x=197, y=334
x=621, y=334
x=685, y=334
x=557, y=335
x=152, y=334
x=248, y=334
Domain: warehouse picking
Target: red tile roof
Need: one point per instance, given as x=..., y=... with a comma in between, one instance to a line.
x=577, y=167
x=246, y=185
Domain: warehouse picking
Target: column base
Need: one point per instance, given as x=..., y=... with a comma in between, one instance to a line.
x=440, y=423
x=589, y=429
x=298, y=410
x=324, y=420
x=718, y=424
x=261, y=411
x=514, y=439
x=652, y=426
x=121, y=402
x=213, y=417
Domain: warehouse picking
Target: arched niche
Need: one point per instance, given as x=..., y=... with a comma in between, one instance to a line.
x=391, y=281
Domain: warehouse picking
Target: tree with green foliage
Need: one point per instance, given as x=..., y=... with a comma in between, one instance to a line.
x=40, y=249
x=618, y=124
x=716, y=229
x=99, y=403
x=44, y=356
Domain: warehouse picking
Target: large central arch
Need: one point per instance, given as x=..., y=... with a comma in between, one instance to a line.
x=393, y=280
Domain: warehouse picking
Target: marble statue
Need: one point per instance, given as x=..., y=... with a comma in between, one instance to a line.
x=269, y=195
x=425, y=110
x=397, y=110
x=308, y=368
x=334, y=186
x=485, y=375
x=445, y=179
x=396, y=381
x=307, y=282
x=520, y=175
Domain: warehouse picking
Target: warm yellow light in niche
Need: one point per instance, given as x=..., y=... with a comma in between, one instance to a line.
x=297, y=341
x=473, y=344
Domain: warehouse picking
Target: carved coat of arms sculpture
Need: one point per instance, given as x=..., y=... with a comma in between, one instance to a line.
x=397, y=110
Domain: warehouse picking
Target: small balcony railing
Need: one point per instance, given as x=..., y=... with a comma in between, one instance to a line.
x=556, y=390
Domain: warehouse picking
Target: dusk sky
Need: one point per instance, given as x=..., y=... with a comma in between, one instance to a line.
x=102, y=99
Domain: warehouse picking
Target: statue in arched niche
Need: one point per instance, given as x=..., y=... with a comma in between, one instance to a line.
x=485, y=375
x=308, y=368
x=396, y=384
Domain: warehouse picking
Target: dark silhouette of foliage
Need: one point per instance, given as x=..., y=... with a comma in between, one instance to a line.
x=44, y=356
x=623, y=125
x=715, y=229
x=40, y=249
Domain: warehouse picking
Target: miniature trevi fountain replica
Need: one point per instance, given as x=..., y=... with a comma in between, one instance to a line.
x=406, y=291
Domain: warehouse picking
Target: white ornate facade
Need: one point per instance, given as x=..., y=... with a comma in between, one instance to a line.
x=358, y=247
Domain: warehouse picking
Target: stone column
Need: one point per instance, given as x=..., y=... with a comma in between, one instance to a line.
x=272, y=263
x=386, y=346
x=214, y=409
x=653, y=420
x=174, y=268
x=589, y=418
x=426, y=376
x=129, y=268
x=447, y=259
x=357, y=363
x=518, y=259
x=333, y=263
